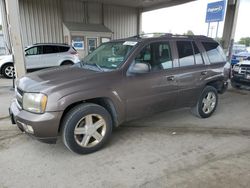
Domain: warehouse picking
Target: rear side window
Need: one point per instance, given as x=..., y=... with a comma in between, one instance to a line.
x=214, y=52
x=185, y=51
x=50, y=49
x=63, y=48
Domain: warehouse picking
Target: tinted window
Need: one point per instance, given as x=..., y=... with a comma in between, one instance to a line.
x=50, y=49
x=185, y=50
x=197, y=54
x=158, y=55
x=34, y=50
x=214, y=52
x=63, y=48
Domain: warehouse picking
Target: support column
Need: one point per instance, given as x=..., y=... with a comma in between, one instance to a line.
x=6, y=35
x=139, y=21
x=14, y=25
x=230, y=25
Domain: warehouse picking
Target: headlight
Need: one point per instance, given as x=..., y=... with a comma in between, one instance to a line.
x=34, y=102
x=236, y=68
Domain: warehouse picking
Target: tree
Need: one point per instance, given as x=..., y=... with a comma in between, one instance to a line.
x=189, y=32
x=245, y=40
x=1, y=27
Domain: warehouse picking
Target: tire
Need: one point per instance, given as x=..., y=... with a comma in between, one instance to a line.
x=235, y=85
x=81, y=132
x=209, y=95
x=67, y=63
x=8, y=70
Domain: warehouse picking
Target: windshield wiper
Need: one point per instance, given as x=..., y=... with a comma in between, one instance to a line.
x=92, y=64
x=98, y=66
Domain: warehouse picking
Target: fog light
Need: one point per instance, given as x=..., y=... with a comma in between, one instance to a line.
x=27, y=128
x=30, y=129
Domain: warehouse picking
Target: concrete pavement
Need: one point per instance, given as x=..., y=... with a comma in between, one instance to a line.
x=6, y=95
x=171, y=149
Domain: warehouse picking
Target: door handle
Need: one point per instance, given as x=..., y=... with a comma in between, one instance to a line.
x=170, y=78
x=204, y=73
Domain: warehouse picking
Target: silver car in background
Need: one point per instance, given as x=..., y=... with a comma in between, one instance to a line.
x=40, y=56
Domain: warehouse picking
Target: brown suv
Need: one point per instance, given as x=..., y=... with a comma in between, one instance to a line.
x=118, y=82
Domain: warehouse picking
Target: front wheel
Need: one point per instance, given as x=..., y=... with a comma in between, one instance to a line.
x=207, y=102
x=86, y=128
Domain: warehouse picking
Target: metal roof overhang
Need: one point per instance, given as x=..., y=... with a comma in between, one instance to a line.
x=144, y=5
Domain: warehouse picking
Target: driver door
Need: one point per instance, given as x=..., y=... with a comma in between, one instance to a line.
x=153, y=91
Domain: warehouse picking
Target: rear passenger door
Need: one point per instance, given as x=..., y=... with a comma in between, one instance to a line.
x=191, y=72
x=51, y=55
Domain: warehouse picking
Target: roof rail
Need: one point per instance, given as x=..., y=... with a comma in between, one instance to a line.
x=149, y=35
x=53, y=43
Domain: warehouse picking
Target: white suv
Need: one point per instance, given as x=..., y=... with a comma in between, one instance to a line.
x=40, y=56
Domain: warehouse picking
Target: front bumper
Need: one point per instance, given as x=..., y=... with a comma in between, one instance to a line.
x=44, y=127
x=240, y=79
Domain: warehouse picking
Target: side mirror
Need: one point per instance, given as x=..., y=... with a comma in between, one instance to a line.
x=25, y=53
x=140, y=68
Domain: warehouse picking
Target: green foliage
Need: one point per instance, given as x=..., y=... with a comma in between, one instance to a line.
x=189, y=32
x=245, y=40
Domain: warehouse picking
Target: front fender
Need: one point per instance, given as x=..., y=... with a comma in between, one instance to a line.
x=81, y=96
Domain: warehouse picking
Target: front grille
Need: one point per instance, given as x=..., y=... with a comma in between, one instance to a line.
x=19, y=97
x=244, y=69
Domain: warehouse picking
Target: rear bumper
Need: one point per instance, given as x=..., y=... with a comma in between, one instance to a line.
x=43, y=127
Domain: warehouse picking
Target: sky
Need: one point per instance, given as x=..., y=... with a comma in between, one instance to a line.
x=191, y=16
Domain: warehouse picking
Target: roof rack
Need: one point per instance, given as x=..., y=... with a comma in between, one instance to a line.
x=53, y=43
x=149, y=35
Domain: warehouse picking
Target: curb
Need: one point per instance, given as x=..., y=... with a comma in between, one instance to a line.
x=5, y=117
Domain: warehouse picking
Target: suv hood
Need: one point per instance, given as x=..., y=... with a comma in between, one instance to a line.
x=60, y=77
x=246, y=62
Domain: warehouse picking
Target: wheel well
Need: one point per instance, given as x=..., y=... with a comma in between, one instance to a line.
x=67, y=62
x=8, y=63
x=104, y=102
x=216, y=84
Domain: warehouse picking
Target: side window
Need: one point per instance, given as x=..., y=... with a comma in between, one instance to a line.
x=163, y=58
x=185, y=51
x=158, y=55
x=50, y=49
x=145, y=55
x=197, y=54
x=63, y=48
x=34, y=50
x=214, y=52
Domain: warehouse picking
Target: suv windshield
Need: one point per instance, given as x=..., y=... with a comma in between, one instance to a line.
x=109, y=55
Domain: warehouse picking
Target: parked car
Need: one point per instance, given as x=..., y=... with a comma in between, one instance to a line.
x=240, y=57
x=120, y=81
x=40, y=56
x=241, y=74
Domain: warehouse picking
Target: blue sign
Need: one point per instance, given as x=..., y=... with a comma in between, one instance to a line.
x=215, y=11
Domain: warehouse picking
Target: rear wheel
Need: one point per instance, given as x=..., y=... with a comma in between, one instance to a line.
x=86, y=128
x=8, y=70
x=207, y=102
